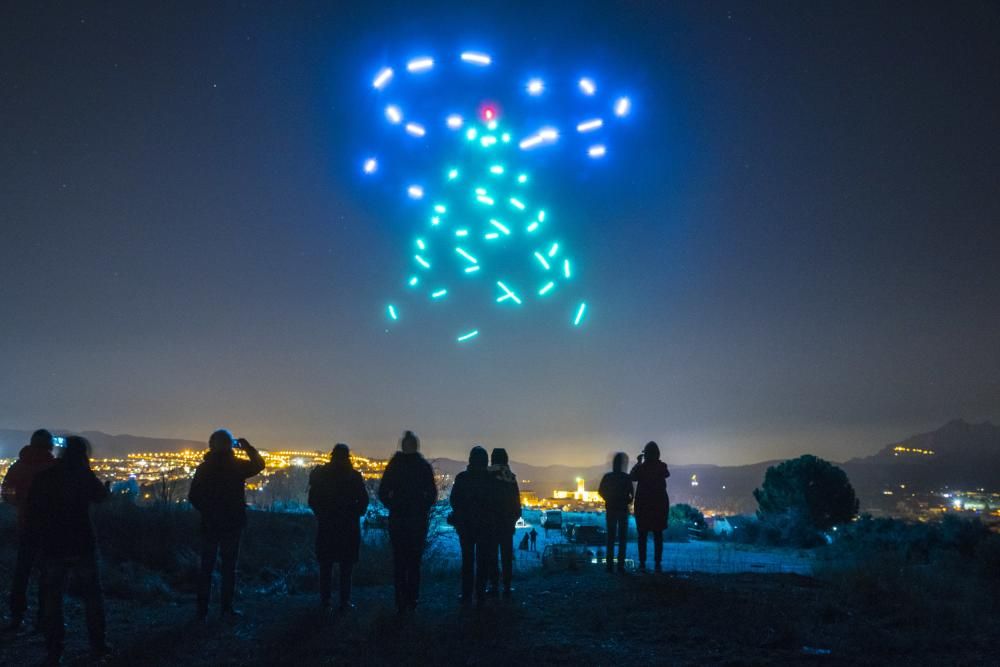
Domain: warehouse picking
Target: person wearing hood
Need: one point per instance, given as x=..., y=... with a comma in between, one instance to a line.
x=338, y=498
x=59, y=514
x=616, y=490
x=218, y=492
x=408, y=491
x=473, y=504
x=507, y=510
x=34, y=458
x=652, y=504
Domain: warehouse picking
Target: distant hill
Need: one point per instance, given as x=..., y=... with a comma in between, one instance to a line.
x=105, y=446
x=959, y=455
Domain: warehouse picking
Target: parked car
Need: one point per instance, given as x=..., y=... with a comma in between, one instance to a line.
x=551, y=519
x=590, y=535
x=566, y=556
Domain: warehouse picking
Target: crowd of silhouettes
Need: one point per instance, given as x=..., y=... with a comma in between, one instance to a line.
x=53, y=496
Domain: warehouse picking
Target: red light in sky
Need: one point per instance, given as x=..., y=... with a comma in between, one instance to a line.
x=489, y=111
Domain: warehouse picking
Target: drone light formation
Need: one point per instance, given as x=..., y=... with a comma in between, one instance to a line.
x=483, y=197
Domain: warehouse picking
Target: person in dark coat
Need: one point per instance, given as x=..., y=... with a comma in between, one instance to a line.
x=35, y=458
x=473, y=504
x=59, y=514
x=338, y=498
x=652, y=504
x=616, y=490
x=507, y=509
x=534, y=539
x=218, y=492
x=408, y=491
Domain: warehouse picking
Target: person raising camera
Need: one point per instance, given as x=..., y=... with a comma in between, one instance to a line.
x=218, y=492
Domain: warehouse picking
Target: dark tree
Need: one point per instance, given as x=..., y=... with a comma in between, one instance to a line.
x=809, y=488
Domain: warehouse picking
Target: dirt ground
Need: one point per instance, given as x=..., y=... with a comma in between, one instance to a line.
x=563, y=618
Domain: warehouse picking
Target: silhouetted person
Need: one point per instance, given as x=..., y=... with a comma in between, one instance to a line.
x=534, y=539
x=473, y=499
x=523, y=545
x=651, y=502
x=616, y=490
x=218, y=492
x=59, y=513
x=338, y=497
x=507, y=510
x=34, y=458
x=408, y=491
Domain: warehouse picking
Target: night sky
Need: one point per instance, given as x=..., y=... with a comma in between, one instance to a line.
x=795, y=248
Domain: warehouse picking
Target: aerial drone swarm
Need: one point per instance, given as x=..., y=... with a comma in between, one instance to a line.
x=489, y=200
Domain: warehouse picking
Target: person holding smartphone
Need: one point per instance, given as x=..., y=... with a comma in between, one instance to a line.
x=34, y=459
x=651, y=502
x=218, y=492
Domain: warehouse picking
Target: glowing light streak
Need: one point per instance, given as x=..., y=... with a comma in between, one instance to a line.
x=530, y=142
x=553, y=250
x=461, y=232
x=465, y=337
x=471, y=134
x=453, y=174
x=505, y=137
x=533, y=226
x=622, y=106
x=590, y=125
x=382, y=78
x=579, y=314
x=536, y=87
x=485, y=200
x=440, y=293
x=588, y=86
x=471, y=269
x=522, y=178
x=546, y=289
x=394, y=115
x=517, y=203
x=421, y=64
x=439, y=208
x=597, y=151
x=508, y=294
x=488, y=140
x=541, y=216
x=392, y=313
x=492, y=236
x=454, y=121
x=496, y=169
x=480, y=191
x=421, y=244
x=541, y=260
x=492, y=125
x=463, y=253
x=415, y=129
x=545, y=136
x=370, y=166
x=476, y=58
x=422, y=262
x=413, y=281
x=566, y=271
x=500, y=226
x=415, y=192
x=435, y=220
